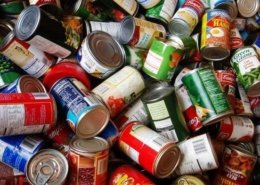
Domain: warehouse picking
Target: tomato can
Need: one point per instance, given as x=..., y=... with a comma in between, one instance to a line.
x=148, y=3
x=88, y=161
x=248, y=8
x=155, y=153
x=189, y=180
x=48, y=166
x=215, y=35
x=229, y=5
x=246, y=65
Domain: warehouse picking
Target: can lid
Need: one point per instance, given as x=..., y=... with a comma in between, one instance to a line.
x=157, y=93
x=188, y=180
x=241, y=151
x=28, y=83
x=248, y=8
x=88, y=146
x=127, y=29
x=179, y=27
x=48, y=166
x=27, y=22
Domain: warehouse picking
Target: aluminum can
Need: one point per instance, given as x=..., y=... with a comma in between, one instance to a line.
x=155, y=153
x=115, y=91
x=215, y=35
x=189, y=180
x=229, y=5
x=88, y=161
x=207, y=95
x=26, y=113
x=148, y=3
x=255, y=105
x=85, y=114
x=47, y=166
x=248, y=8
x=100, y=55
x=246, y=65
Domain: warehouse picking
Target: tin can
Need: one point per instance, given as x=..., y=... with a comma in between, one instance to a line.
x=6, y=26
x=85, y=114
x=237, y=166
x=207, y=95
x=235, y=38
x=248, y=8
x=31, y=59
x=47, y=166
x=255, y=105
x=197, y=5
x=215, y=35
x=189, y=180
x=25, y=84
x=56, y=42
x=88, y=161
x=13, y=7
x=229, y=5
x=120, y=89
x=198, y=156
x=100, y=55
x=155, y=153
x=246, y=65
x=148, y=3
x=182, y=73
x=131, y=7
x=126, y=174
x=162, y=59
x=17, y=150
x=110, y=133
x=26, y=113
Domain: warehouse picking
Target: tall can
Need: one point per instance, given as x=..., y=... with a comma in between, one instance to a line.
x=155, y=153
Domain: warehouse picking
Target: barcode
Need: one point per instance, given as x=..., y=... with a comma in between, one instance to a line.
x=160, y=141
x=199, y=146
x=30, y=144
x=171, y=134
x=41, y=95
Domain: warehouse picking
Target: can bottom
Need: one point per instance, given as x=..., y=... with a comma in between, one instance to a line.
x=215, y=53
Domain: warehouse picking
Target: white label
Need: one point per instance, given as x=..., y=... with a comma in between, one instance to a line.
x=244, y=99
x=168, y=9
x=153, y=62
x=178, y=80
x=12, y=115
x=183, y=98
x=158, y=110
x=148, y=3
x=248, y=64
x=163, y=124
x=171, y=134
x=132, y=153
x=40, y=95
x=1, y=82
x=24, y=130
x=111, y=28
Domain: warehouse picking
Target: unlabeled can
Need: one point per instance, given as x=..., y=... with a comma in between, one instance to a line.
x=85, y=114
x=229, y=5
x=100, y=54
x=248, y=8
x=215, y=35
x=148, y=3
x=88, y=161
x=48, y=166
x=207, y=95
x=155, y=153
x=188, y=180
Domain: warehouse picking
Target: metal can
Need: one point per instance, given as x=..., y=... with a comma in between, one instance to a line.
x=100, y=55
x=47, y=166
x=240, y=23
x=85, y=114
x=163, y=58
x=235, y=38
x=207, y=95
x=155, y=153
x=148, y=3
x=246, y=65
x=248, y=8
x=26, y=113
x=131, y=7
x=189, y=180
x=88, y=161
x=229, y=5
x=6, y=26
x=215, y=35
x=120, y=89
x=255, y=105
x=110, y=133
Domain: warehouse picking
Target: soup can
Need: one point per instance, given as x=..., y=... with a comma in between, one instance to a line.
x=197, y=5
x=85, y=114
x=207, y=95
x=48, y=166
x=155, y=153
x=148, y=3
x=189, y=180
x=246, y=65
x=120, y=89
x=229, y=5
x=248, y=8
x=215, y=35
x=88, y=161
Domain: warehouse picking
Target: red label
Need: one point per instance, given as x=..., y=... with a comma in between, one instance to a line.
x=197, y=5
x=226, y=77
x=255, y=105
x=226, y=129
x=191, y=117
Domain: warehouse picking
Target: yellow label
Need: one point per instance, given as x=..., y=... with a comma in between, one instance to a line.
x=203, y=30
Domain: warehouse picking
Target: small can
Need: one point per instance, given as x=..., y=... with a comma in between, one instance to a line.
x=207, y=95
x=155, y=153
x=13, y=7
x=100, y=55
x=246, y=65
x=255, y=105
x=110, y=133
x=115, y=91
x=235, y=38
x=189, y=180
x=47, y=166
x=229, y=5
x=163, y=58
x=215, y=35
x=88, y=161
x=197, y=5
x=26, y=113
x=85, y=114
x=126, y=174
x=248, y=8
x=25, y=84
x=148, y=3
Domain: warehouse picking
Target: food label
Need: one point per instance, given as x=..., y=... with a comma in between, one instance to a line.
x=197, y=5
x=112, y=28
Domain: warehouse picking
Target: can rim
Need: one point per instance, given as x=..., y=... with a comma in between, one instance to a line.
x=180, y=22
x=207, y=50
x=187, y=178
x=23, y=84
x=241, y=150
x=7, y=39
x=126, y=36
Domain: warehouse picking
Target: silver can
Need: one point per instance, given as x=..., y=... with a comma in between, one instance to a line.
x=248, y=8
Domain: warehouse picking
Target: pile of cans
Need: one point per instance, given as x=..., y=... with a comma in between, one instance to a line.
x=130, y=92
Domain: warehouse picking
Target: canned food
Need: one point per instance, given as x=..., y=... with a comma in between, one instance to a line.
x=6, y=26
x=131, y=7
x=229, y=5
x=85, y=114
x=100, y=55
x=88, y=161
x=182, y=73
x=155, y=153
x=189, y=180
x=235, y=38
x=255, y=105
x=47, y=166
x=197, y=5
x=248, y=8
x=215, y=35
x=148, y=3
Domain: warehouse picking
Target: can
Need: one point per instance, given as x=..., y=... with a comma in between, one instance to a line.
x=237, y=165
x=236, y=40
x=163, y=58
x=246, y=65
x=131, y=7
x=85, y=114
x=189, y=180
x=6, y=26
x=110, y=133
x=47, y=166
x=198, y=156
x=25, y=84
x=148, y=3
x=88, y=161
x=229, y=5
x=182, y=73
x=249, y=146
x=13, y=7
x=155, y=153
x=29, y=58
x=255, y=105
x=55, y=42
x=207, y=95
x=197, y=5
x=126, y=174
x=240, y=23
x=100, y=55
x=215, y=35
x=116, y=91
x=248, y=8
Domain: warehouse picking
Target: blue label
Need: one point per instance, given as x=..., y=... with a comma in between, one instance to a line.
x=257, y=42
x=74, y=118
x=109, y=131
